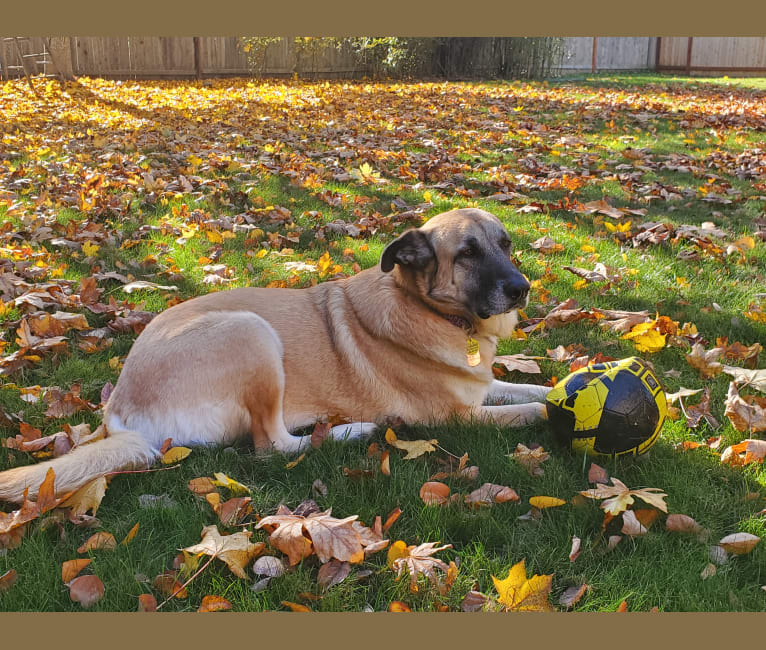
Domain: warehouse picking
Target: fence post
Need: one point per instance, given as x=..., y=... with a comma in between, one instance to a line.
x=3, y=60
x=595, y=49
x=689, y=57
x=657, y=54
x=197, y=57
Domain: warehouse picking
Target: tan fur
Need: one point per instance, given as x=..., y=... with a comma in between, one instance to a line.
x=262, y=362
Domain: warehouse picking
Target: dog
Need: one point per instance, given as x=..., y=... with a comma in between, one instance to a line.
x=413, y=337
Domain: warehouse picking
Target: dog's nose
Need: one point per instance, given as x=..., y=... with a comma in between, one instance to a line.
x=516, y=290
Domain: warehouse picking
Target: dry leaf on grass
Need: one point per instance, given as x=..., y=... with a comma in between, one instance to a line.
x=739, y=543
x=269, y=566
x=414, y=448
x=542, y=502
x=683, y=524
x=399, y=606
x=748, y=451
x=531, y=459
x=100, y=541
x=71, y=569
x=631, y=526
x=328, y=537
x=519, y=594
x=175, y=455
x=706, y=362
x=167, y=584
x=434, y=493
x=332, y=573
x=214, y=604
x=131, y=534
x=295, y=607
x=745, y=414
x=419, y=561
x=235, y=487
x=8, y=579
x=519, y=362
x=88, y=497
x=743, y=377
x=575, y=551
x=696, y=412
x=474, y=601
x=597, y=474
x=86, y=590
x=573, y=595
x=236, y=550
x=619, y=496
x=489, y=494
x=709, y=571
x=147, y=603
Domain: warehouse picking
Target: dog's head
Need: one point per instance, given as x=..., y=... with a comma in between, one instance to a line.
x=459, y=263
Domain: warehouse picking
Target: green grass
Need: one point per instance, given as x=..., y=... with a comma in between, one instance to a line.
x=660, y=570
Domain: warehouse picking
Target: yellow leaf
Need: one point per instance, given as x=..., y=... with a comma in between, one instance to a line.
x=395, y=551
x=519, y=594
x=214, y=236
x=414, y=448
x=587, y=248
x=89, y=248
x=129, y=537
x=293, y=463
x=427, y=197
x=221, y=480
x=545, y=502
x=175, y=455
x=88, y=497
x=646, y=338
x=262, y=253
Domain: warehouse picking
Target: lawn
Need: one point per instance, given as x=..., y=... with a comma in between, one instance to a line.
x=206, y=186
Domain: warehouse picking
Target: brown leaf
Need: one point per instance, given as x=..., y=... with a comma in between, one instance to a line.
x=399, y=606
x=214, y=604
x=706, y=362
x=88, y=497
x=99, y=541
x=748, y=451
x=333, y=573
x=8, y=579
x=434, y=493
x=623, y=606
x=489, y=493
x=474, y=601
x=575, y=552
x=631, y=525
x=682, y=524
x=71, y=569
x=709, y=571
x=695, y=412
x=167, y=584
x=236, y=550
x=739, y=543
x=295, y=607
x=519, y=362
x=202, y=485
x=744, y=416
x=392, y=517
x=573, y=595
x=320, y=432
x=420, y=561
x=86, y=590
x=147, y=603
x=319, y=488
x=531, y=459
x=597, y=474
x=131, y=534
x=546, y=245
x=385, y=465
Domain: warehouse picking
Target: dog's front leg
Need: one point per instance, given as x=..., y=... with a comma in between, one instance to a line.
x=500, y=391
x=515, y=415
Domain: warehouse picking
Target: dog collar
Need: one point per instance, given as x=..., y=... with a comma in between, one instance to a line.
x=472, y=354
x=458, y=321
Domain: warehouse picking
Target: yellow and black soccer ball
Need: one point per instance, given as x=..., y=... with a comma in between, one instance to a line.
x=608, y=409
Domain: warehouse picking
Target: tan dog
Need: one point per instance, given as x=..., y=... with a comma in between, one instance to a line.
x=394, y=340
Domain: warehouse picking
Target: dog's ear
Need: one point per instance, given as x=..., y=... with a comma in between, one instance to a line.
x=411, y=249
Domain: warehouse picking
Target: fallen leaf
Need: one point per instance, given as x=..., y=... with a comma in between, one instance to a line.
x=202, y=485
x=490, y=493
x=744, y=416
x=574, y=553
x=519, y=362
x=100, y=541
x=705, y=361
x=86, y=590
x=214, y=604
x=332, y=573
x=295, y=607
x=71, y=569
x=414, y=448
x=709, y=571
x=696, y=412
x=319, y=488
x=542, y=502
x=147, y=603
x=392, y=517
x=619, y=496
x=623, y=607
x=293, y=463
x=572, y=595
x=399, y=606
x=631, y=525
x=236, y=488
x=744, y=377
x=175, y=455
x=531, y=459
x=88, y=497
x=167, y=584
x=269, y=565
x=420, y=561
x=739, y=543
x=434, y=493
x=131, y=534
x=519, y=594
x=597, y=474
x=743, y=453
x=474, y=601
x=682, y=524
x=385, y=465
x=235, y=550
x=8, y=579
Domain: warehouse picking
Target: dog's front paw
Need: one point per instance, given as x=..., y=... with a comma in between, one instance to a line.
x=353, y=431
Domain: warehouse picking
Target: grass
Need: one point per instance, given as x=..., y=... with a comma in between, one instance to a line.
x=658, y=570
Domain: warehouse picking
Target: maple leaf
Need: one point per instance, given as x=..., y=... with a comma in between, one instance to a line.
x=531, y=459
x=743, y=415
x=744, y=377
x=745, y=452
x=519, y=362
x=619, y=496
x=696, y=412
x=705, y=361
x=88, y=497
x=328, y=537
x=646, y=337
x=414, y=448
x=419, y=561
x=236, y=550
x=519, y=594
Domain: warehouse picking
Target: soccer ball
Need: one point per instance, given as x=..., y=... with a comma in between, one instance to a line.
x=608, y=409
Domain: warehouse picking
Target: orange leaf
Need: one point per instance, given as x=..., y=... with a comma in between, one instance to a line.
x=399, y=606
x=99, y=541
x=296, y=607
x=71, y=568
x=434, y=493
x=214, y=604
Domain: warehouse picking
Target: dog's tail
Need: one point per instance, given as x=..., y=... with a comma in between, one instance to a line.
x=122, y=450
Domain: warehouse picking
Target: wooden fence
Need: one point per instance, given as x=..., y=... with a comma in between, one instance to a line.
x=744, y=55
x=178, y=57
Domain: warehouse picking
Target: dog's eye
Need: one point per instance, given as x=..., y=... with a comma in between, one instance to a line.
x=468, y=251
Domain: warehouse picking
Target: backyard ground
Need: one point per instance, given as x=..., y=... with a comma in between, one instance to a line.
x=652, y=188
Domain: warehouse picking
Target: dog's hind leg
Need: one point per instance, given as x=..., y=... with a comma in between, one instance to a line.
x=353, y=430
x=500, y=391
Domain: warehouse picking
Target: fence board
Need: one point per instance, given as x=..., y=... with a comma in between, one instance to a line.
x=711, y=55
